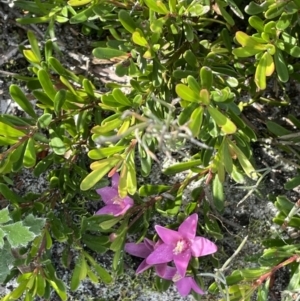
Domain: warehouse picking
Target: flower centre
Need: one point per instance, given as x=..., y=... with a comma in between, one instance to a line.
x=117, y=200
x=181, y=246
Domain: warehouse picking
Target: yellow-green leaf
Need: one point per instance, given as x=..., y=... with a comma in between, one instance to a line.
x=227, y=126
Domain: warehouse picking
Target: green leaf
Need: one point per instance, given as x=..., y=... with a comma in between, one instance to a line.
x=291, y=184
x=17, y=234
x=35, y=224
x=108, y=53
x=10, y=195
x=59, y=100
x=6, y=261
x=34, y=44
x=19, y=97
x=121, y=98
x=29, y=158
x=281, y=67
x=245, y=51
x=218, y=194
x=227, y=126
x=245, y=163
x=157, y=6
x=182, y=167
x=4, y=216
x=260, y=73
x=206, y=77
x=127, y=21
x=103, y=274
x=195, y=122
x=59, y=287
x=79, y=273
x=58, y=146
x=139, y=39
x=95, y=176
x=95, y=243
x=100, y=153
x=148, y=189
x=82, y=16
x=45, y=120
x=277, y=129
x=187, y=93
x=46, y=83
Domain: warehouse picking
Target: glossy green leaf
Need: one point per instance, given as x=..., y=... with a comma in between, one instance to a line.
x=195, y=121
x=157, y=6
x=59, y=287
x=187, y=93
x=245, y=163
x=58, y=146
x=79, y=273
x=107, y=53
x=293, y=183
x=260, y=73
x=148, y=189
x=254, y=8
x=281, y=67
x=257, y=23
x=277, y=129
x=227, y=126
x=218, y=194
x=245, y=51
x=59, y=100
x=121, y=98
x=34, y=44
x=139, y=39
x=127, y=21
x=82, y=16
x=29, y=158
x=19, y=97
x=45, y=120
x=182, y=167
x=46, y=83
x=206, y=78
x=100, y=153
x=96, y=175
x=78, y=2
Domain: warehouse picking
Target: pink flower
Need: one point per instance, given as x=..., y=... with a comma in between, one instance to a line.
x=114, y=204
x=143, y=250
x=184, y=284
x=180, y=245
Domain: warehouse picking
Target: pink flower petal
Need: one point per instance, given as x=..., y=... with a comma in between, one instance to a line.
x=123, y=210
x=162, y=254
x=168, y=236
x=109, y=209
x=184, y=286
x=169, y=273
x=143, y=267
x=196, y=287
x=189, y=226
x=115, y=181
x=128, y=201
x=160, y=269
x=202, y=246
x=108, y=194
x=138, y=250
x=182, y=261
x=149, y=243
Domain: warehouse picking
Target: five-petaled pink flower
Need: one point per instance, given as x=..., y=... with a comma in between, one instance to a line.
x=180, y=245
x=183, y=284
x=115, y=205
x=143, y=250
